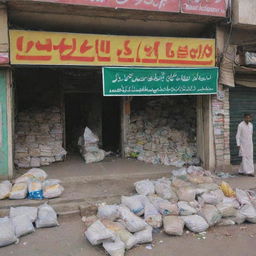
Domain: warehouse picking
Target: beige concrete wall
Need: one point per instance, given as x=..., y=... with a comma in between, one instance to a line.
x=244, y=12
x=3, y=29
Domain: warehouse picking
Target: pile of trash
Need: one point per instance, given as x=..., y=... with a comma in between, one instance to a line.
x=32, y=185
x=192, y=198
x=38, y=138
x=162, y=133
x=88, y=147
x=23, y=220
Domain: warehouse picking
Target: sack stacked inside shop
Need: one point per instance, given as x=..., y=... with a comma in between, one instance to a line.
x=162, y=131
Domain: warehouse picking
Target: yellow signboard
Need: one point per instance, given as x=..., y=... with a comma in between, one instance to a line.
x=49, y=48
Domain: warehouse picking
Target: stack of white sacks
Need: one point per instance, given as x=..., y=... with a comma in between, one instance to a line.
x=191, y=198
x=33, y=184
x=21, y=222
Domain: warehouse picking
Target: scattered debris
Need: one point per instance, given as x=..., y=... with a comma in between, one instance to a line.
x=149, y=247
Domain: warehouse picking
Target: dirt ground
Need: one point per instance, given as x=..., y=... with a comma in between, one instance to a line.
x=68, y=240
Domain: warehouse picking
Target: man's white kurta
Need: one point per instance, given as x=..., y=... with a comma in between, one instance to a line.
x=244, y=140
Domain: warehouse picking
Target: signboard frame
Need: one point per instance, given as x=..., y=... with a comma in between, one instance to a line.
x=215, y=91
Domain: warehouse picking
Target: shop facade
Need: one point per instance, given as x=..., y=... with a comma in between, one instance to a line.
x=58, y=84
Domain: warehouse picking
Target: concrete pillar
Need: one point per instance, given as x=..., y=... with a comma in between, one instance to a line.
x=205, y=141
x=125, y=120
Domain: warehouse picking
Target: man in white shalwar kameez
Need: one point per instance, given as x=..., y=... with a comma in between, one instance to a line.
x=245, y=144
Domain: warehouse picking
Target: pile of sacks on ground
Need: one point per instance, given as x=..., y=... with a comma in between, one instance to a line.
x=191, y=198
x=162, y=133
x=32, y=185
x=89, y=149
x=23, y=220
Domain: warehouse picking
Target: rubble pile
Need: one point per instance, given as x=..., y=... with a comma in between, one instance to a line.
x=163, y=131
x=191, y=198
x=23, y=221
x=38, y=138
x=88, y=147
x=32, y=185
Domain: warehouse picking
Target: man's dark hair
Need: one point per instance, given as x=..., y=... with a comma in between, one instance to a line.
x=247, y=114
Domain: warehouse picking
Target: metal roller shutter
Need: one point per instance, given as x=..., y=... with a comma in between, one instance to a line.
x=242, y=100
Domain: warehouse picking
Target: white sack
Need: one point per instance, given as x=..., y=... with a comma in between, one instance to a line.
x=110, y=212
x=211, y=214
x=152, y=216
x=226, y=210
x=7, y=232
x=31, y=212
x=19, y=191
x=249, y=212
x=173, y=225
x=134, y=203
x=213, y=197
x=242, y=196
x=187, y=194
x=52, y=191
x=47, y=217
x=34, y=173
x=164, y=206
x=115, y=248
x=22, y=225
x=144, y=236
x=145, y=187
x=163, y=189
x=97, y=233
x=132, y=222
x=195, y=223
x=185, y=209
x=5, y=189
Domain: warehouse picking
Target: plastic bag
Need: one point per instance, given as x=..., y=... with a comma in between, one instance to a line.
x=152, y=216
x=144, y=187
x=173, y=225
x=52, y=189
x=7, y=232
x=34, y=173
x=90, y=137
x=115, y=248
x=164, y=206
x=185, y=209
x=134, y=203
x=22, y=225
x=47, y=217
x=97, y=233
x=195, y=223
x=5, y=189
x=31, y=212
x=211, y=214
x=35, y=190
x=144, y=236
x=186, y=194
x=164, y=190
x=226, y=210
x=19, y=191
x=110, y=212
x=242, y=196
x=227, y=190
x=132, y=222
x=213, y=197
x=249, y=212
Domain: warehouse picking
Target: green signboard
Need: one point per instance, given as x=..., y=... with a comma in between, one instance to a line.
x=159, y=81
